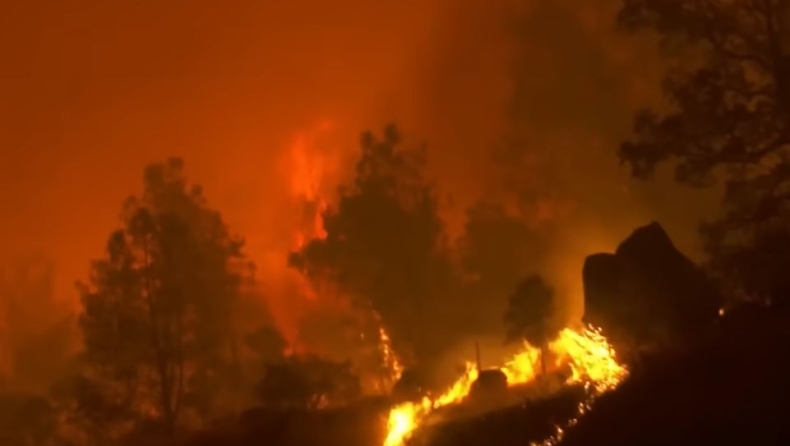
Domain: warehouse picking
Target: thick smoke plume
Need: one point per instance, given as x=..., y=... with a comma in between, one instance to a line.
x=521, y=104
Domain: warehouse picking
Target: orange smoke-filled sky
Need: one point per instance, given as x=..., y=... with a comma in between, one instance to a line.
x=92, y=91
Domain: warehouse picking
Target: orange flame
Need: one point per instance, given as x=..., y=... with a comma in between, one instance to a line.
x=308, y=170
x=591, y=358
x=309, y=164
x=312, y=168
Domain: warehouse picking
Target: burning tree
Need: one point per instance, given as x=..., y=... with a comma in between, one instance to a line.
x=157, y=320
x=729, y=119
x=384, y=247
x=530, y=315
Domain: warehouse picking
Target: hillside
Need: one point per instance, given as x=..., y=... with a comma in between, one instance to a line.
x=731, y=389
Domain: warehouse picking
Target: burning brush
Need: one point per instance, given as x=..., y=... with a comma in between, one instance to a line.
x=586, y=352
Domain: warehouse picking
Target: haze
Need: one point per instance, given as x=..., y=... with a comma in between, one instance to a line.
x=93, y=91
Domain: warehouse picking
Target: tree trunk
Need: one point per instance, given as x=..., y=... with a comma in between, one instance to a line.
x=166, y=372
x=162, y=366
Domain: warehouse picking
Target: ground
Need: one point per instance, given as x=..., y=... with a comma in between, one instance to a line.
x=730, y=388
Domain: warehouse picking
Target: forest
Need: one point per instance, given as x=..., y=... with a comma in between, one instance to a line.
x=414, y=334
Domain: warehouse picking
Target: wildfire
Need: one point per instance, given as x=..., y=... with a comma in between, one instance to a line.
x=308, y=168
x=389, y=357
x=406, y=417
x=587, y=352
x=591, y=358
x=308, y=172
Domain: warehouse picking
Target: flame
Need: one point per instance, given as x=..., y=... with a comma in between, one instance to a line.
x=312, y=168
x=592, y=360
x=589, y=354
x=309, y=166
x=405, y=418
x=591, y=357
x=308, y=163
x=389, y=357
x=308, y=173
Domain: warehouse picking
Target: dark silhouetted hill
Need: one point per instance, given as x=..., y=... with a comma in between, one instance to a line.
x=517, y=425
x=731, y=389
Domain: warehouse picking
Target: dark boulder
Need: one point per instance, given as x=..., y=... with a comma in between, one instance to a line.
x=489, y=387
x=648, y=292
x=411, y=386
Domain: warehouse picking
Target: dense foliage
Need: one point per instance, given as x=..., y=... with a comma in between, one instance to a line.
x=385, y=248
x=729, y=119
x=158, y=310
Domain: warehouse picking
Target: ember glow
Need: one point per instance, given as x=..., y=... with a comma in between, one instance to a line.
x=389, y=357
x=587, y=352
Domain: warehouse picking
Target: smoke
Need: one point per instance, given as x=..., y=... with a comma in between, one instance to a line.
x=37, y=336
x=519, y=102
x=526, y=103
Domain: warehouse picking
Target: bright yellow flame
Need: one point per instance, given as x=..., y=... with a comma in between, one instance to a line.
x=522, y=367
x=589, y=354
x=591, y=358
x=405, y=418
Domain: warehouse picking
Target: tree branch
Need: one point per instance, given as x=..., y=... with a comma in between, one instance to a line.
x=720, y=44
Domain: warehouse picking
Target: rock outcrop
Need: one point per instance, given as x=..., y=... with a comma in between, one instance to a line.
x=648, y=292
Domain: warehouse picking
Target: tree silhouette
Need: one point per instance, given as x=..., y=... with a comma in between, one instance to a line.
x=530, y=315
x=308, y=383
x=730, y=114
x=157, y=311
x=497, y=249
x=385, y=247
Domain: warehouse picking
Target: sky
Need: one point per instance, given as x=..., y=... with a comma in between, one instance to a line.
x=255, y=94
